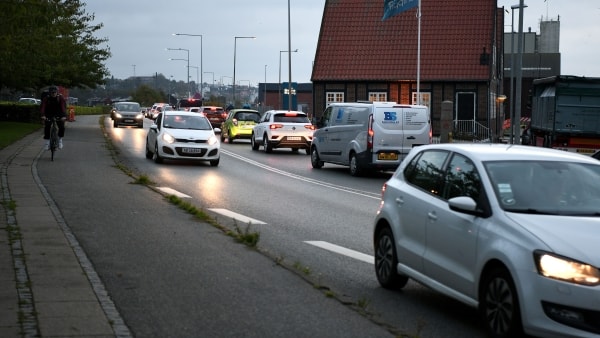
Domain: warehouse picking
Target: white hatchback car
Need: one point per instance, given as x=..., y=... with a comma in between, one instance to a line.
x=182, y=135
x=511, y=230
x=283, y=129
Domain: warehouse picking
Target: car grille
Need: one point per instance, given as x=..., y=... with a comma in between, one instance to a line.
x=184, y=140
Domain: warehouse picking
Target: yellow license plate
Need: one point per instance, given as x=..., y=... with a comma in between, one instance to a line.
x=387, y=156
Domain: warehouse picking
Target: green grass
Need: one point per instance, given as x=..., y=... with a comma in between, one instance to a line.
x=11, y=132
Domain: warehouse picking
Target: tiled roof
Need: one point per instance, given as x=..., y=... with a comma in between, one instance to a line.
x=354, y=44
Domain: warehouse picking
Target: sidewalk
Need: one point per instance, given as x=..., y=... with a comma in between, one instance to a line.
x=57, y=292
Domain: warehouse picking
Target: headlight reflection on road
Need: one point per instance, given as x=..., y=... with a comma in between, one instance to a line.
x=209, y=188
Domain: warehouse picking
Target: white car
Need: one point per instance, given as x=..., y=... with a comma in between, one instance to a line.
x=182, y=135
x=283, y=129
x=511, y=230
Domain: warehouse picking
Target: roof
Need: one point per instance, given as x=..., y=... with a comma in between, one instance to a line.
x=354, y=44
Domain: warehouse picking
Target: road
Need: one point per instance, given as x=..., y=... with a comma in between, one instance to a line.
x=316, y=222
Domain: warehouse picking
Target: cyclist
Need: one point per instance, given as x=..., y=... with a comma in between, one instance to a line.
x=54, y=105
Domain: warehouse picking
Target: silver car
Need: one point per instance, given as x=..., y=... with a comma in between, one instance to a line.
x=127, y=113
x=511, y=230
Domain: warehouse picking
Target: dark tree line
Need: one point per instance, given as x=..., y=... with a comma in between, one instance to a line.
x=44, y=42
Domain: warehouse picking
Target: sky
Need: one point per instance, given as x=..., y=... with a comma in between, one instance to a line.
x=139, y=33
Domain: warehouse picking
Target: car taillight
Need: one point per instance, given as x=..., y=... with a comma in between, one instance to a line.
x=383, y=190
x=276, y=126
x=224, y=115
x=370, y=134
x=309, y=126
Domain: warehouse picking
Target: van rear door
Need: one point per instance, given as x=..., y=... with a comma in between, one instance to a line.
x=397, y=129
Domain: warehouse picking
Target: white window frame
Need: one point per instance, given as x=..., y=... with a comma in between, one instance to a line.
x=377, y=96
x=333, y=97
x=425, y=98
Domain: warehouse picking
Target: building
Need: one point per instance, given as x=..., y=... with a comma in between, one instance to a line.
x=458, y=58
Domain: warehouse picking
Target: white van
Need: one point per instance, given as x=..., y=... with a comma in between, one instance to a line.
x=369, y=136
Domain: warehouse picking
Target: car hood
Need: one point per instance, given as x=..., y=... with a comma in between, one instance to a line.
x=574, y=237
x=190, y=134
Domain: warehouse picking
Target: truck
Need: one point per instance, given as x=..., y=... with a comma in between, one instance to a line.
x=565, y=114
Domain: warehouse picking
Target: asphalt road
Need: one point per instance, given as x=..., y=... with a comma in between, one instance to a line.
x=171, y=275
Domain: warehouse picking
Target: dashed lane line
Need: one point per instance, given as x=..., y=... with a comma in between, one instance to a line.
x=238, y=217
x=342, y=251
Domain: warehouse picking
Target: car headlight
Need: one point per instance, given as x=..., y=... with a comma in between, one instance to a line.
x=168, y=138
x=565, y=269
x=212, y=140
x=139, y=116
x=117, y=115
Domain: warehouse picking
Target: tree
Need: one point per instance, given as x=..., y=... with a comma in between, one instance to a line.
x=45, y=42
x=147, y=96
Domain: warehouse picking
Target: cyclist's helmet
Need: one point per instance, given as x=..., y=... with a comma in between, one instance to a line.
x=53, y=89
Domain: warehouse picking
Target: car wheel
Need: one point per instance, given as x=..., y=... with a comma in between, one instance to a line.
x=307, y=150
x=355, y=170
x=141, y=125
x=386, y=261
x=267, y=147
x=214, y=163
x=222, y=137
x=314, y=158
x=156, y=157
x=253, y=143
x=499, y=304
x=229, y=137
x=295, y=150
x=115, y=124
x=148, y=152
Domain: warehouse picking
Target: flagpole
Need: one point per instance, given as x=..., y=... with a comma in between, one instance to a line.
x=419, y=54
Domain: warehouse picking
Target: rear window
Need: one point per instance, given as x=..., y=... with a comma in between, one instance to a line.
x=247, y=116
x=290, y=118
x=213, y=110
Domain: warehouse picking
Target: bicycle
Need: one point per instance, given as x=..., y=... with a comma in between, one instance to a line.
x=54, y=139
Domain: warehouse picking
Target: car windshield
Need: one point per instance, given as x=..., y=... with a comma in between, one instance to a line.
x=286, y=118
x=187, y=122
x=546, y=187
x=128, y=107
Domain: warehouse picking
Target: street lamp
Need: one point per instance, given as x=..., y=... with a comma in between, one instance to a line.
x=279, y=90
x=265, y=98
x=512, y=74
x=234, y=51
x=200, y=35
x=188, y=63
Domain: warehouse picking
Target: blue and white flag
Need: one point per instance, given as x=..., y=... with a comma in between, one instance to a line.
x=395, y=7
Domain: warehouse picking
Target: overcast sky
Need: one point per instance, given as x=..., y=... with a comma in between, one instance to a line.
x=139, y=33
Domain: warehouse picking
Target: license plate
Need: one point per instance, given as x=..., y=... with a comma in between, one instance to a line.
x=191, y=150
x=294, y=138
x=387, y=156
x=128, y=121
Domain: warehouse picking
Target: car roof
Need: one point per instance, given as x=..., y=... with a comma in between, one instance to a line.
x=181, y=113
x=501, y=151
x=244, y=109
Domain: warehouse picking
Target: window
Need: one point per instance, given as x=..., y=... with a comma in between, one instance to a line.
x=426, y=171
x=425, y=98
x=377, y=96
x=332, y=97
x=462, y=179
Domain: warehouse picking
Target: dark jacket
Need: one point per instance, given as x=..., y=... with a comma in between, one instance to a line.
x=54, y=106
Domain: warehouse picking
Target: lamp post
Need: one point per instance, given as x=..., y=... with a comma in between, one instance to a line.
x=197, y=78
x=188, y=63
x=200, y=35
x=279, y=90
x=512, y=74
x=265, y=98
x=234, y=52
x=213, y=78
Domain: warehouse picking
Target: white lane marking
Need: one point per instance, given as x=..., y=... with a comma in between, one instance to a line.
x=343, y=251
x=236, y=216
x=170, y=191
x=363, y=193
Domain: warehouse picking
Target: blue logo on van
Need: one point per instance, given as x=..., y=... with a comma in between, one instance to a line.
x=390, y=117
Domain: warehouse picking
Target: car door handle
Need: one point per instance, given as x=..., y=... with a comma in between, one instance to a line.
x=399, y=200
x=410, y=138
x=432, y=216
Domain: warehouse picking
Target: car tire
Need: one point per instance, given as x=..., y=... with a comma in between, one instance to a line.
x=499, y=304
x=222, y=137
x=307, y=150
x=141, y=125
x=267, y=146
x=148, y=152
x=386, y=261
x=115, y=124
x=156, y=157
x=230, y=139
x=253, y=143
x=315, y=161
x=214, y=163
x=355, y=169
